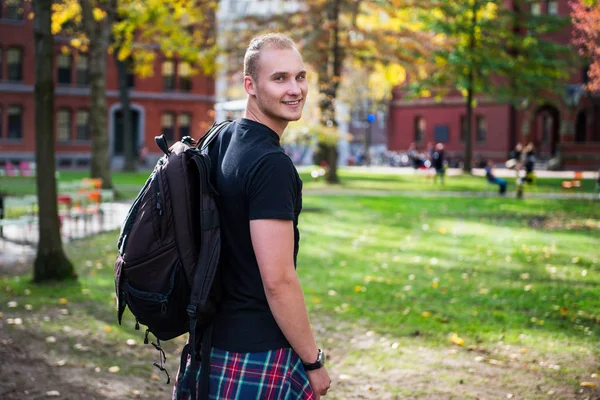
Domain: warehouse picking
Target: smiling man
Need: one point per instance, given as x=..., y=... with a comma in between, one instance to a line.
x=263, y=346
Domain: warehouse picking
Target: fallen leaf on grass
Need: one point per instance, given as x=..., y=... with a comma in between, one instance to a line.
x=53, y=393
x=130, y=342
x=28, y=307
x=50, y=339
x=426, y=314
x=114, y=369
x=1, y=315
x=155, y=377
x=344, y=377
x=61, y=363
x=107, y=328
x=590, y=385
x=12, y=304
x=594, y=375
x=457, y=340
x=63, y=300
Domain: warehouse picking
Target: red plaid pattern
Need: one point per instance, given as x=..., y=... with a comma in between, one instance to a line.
x=270, y=375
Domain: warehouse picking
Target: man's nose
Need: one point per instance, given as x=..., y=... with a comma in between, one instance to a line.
x=294, y=88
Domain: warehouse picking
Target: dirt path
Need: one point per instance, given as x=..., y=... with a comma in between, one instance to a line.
x=363, y=365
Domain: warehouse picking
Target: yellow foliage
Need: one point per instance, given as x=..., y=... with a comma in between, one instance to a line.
x=99, y=14
x=62, y=12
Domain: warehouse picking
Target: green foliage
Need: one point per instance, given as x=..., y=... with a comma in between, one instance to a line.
x=510, y=58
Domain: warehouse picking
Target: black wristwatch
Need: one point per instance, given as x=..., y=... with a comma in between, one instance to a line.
x=317, y=364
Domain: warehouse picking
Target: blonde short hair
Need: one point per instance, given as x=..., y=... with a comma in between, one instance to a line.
x=270, y=40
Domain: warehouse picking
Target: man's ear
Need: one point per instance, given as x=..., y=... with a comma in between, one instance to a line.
x=249, y=85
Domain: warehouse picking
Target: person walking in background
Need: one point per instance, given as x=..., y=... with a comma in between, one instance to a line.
x=491, y=178
x=437, y=163
x=515, y=159
x=263, y=346
x=529, y=161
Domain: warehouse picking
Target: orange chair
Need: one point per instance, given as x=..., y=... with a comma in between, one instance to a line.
x=577, y=178
x=574, y=183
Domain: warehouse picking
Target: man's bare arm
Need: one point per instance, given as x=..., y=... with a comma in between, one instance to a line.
x=273, y=242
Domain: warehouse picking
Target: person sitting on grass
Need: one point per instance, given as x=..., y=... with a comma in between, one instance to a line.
x=491, y=178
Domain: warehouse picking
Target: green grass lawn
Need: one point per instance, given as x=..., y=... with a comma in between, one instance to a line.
x=483, y=268
x=128, y=184
x=411, y=270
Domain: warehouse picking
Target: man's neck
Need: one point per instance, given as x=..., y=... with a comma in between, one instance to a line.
x=257, y=116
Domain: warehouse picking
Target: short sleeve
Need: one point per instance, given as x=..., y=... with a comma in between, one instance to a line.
x=272, y=188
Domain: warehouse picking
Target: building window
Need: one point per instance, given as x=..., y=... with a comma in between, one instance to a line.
x=552, y=7
x=481, y=129
x=536, y=8
x=0, y=50
x=1, y=117
x=185, y=77
x=168, y=71
x=65, y=62
x=14, y=10
x=15, y=122
x=441, y=133
x=83, y=125
x=167, y=126
x=14, y=60
x=63, y=125
x=184, y=122
x=419, y=129
x=82, y=70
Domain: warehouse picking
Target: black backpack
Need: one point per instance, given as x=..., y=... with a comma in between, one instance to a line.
x=169, y=248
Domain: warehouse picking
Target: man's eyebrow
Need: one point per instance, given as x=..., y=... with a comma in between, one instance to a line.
x=286, y=73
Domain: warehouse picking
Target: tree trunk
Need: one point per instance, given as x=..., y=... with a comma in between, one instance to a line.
x=98, y=33
x=329, y=77
x=51, y=262
x=128, y=150
x=467, y=166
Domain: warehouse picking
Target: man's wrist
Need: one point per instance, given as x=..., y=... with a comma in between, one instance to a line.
x=316, y=364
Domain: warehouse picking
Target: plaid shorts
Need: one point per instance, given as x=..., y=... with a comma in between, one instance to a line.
x=269, y=375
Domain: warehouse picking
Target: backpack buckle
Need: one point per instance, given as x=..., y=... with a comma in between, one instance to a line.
x=191, y=310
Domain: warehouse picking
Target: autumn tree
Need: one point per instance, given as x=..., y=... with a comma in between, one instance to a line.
x=586, y=28
x=485, y=48
x=133, y=30
x=50, y=261
x=333, y=33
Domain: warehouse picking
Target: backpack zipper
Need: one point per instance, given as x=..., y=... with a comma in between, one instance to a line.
x=159, y=203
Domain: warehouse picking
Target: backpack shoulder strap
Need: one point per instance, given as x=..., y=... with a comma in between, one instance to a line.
x=212, y=133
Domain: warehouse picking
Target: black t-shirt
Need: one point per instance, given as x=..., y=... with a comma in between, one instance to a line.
x=255, y=179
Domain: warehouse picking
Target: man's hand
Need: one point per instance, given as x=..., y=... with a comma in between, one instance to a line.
x=319, y=381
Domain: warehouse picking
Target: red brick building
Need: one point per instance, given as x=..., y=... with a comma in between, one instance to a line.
x=171, y=101
x=568, y=126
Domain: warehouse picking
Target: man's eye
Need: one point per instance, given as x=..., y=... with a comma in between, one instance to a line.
x=301, y=77
x=279, y=78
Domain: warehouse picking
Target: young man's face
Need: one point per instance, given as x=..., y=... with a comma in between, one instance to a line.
x=281, y=89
